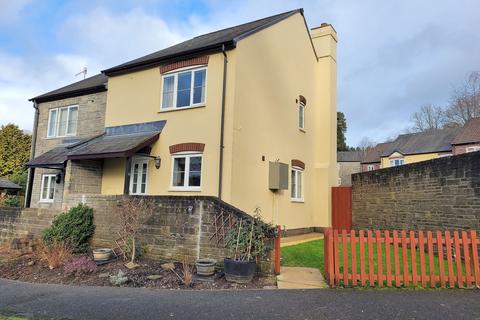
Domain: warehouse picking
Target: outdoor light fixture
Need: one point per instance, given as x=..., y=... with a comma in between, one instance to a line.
x=158, y=161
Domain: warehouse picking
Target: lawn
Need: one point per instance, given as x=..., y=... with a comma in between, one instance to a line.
x=310, y=254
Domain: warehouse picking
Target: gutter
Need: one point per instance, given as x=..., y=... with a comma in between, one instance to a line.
x=222, y=123
x=31, y=171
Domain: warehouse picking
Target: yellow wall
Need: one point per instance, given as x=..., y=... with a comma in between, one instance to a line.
x=410, y=158
x=266, y=74
x=273, y=68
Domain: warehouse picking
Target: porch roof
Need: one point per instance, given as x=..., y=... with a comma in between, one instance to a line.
x=116, y=142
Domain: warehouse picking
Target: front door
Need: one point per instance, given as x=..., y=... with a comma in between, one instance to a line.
x=138, y=176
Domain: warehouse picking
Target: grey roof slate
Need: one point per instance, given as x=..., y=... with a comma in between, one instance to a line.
x=470, y=133
x=210, y=41
x=95, y=83
x=7, y=184
x=350, y=156
x=422, y=142
x=373, y=155
x=54, y=158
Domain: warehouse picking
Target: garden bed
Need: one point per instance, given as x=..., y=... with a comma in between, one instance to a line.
x=29, y=268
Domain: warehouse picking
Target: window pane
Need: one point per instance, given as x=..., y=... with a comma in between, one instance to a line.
x=301, y=116
x=199, y=86
x=72, y=120
x=299, y=184
x=168, y=85
x=178, y=172
x=51, y=186
x=194, y=175
x=45, y=187
x=62, y=126
x=293, y=184
x=135, y=178
x=144, y=178
x=183, y=89
x=52, y=123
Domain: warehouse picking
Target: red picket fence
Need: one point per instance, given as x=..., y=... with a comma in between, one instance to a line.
x=399, y=258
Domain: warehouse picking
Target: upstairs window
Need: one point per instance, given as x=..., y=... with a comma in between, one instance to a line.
x=184, y=89
x=296, y=184
x=301, y=116
x=187, y=172
x=62, y=122
x=396, y=162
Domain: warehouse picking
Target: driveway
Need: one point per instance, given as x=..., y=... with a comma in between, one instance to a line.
x=128, y=303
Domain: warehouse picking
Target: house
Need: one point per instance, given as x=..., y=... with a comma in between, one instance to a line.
x=210, y=116
x=349, y=162
x=372, y=159
x=468, y=139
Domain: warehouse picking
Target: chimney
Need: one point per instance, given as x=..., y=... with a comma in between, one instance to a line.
x=325, y=40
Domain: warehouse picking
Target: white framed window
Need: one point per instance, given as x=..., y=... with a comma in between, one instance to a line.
x=301, y=116
x=396, y=162
x=184, y=89
x=472, y=149
x=139, y=176
x=296, y=184
x=47, y=190
x=187, y=171
x=370, y=167
x=62, y=122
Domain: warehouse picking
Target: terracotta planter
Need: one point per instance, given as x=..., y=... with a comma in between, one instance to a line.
x=102, y=254
x=205, y=267
x=239, y=271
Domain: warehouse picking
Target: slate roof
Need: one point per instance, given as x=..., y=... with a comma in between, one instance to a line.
x=350, y=156
x=7, y=184
x=120, y=141
x=470, y=133
x=373, y=155
x=210, y=42
x=422, y=142
x=89, y=85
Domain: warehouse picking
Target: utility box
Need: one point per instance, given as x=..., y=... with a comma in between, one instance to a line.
x=278, y=176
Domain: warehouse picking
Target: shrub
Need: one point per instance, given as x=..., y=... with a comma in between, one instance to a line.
x=80, y=265
x=118, y=279
x=55, y=253
x=11, y=201
x=74, y=227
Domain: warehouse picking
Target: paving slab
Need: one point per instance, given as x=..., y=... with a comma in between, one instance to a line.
x=292, y=240
x=300, y=278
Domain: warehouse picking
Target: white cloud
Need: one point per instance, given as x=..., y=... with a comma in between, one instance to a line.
x=10, y=10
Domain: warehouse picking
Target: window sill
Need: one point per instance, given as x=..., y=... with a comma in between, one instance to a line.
x=298, y=200
x=184, y=108
x=45, y=201
x=302, y=130
x=183, y=189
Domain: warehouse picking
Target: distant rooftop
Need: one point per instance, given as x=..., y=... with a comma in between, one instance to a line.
x=350, y=156
x=470, y=133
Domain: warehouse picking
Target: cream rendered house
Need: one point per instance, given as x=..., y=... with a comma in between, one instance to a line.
x=205, y=117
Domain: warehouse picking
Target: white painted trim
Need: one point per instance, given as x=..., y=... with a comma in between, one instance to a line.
x=472, y=149
x=301, y=106
x=50, y=176
x=187, y=156
x=57, y=124
x=302, y=190
x=175, y=88
x=140, y=161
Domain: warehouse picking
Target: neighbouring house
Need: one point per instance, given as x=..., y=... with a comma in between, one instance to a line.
x=468, y=139
x=217, y=115
x=373, y=157
x=349, y=162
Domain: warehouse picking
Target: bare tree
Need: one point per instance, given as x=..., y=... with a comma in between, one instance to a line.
x=365, y=144
x=429, y=117
x=134, y=212
x=465, y=101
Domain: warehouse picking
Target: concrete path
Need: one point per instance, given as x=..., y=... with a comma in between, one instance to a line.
x=300, y=278
x=55, y=301
x=289, y=241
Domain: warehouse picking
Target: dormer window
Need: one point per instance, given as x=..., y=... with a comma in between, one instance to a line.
x=184, y=89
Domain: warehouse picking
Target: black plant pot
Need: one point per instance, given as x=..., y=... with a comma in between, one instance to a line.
x=239, y=271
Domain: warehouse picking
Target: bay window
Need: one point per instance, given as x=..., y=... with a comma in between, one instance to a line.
x=184, y=89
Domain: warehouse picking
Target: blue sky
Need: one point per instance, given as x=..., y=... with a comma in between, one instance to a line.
x=393, y=56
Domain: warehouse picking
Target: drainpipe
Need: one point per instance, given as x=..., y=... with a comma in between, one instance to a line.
x=222, y=123
x=31, y=171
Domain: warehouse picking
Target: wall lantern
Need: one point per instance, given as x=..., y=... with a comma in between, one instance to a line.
x=158, y=161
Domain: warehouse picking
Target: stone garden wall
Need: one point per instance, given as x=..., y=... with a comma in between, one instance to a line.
x=440, y=194
x=182, y=226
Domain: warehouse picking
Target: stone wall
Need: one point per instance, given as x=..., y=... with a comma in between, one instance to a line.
x=443, y=194
x=182, y=226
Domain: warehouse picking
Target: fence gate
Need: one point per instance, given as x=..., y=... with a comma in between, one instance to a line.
x=342, y=208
